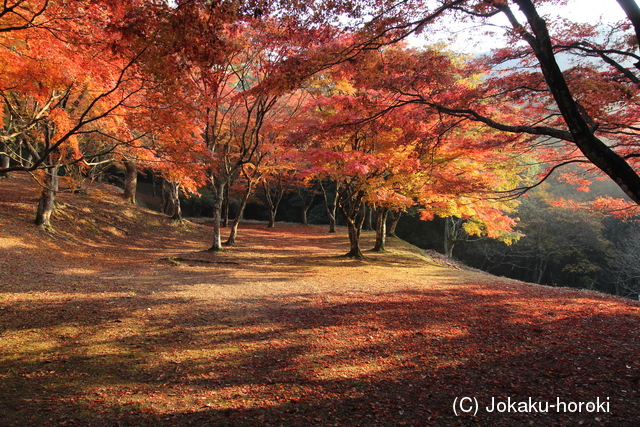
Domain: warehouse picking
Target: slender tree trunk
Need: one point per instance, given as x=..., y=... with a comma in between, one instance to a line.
x=153, y=184
x=130, y=181
x=354, y=239
x=354, y=217
x=368, y=217
x=273, y=201
x=177, y=211
x=632, y=11
x=449, y=236
x=26, y=158
x=226, y=202
x=234, y=226
x=218, y=195
x=306, y=198
x=47, y=197
x=4, y=160
x=272, y=216
x=381, y=229
x=542, y=270
x=331, y=205
x=395, y=218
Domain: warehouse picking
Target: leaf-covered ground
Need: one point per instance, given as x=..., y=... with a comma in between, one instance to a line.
x=121, y=318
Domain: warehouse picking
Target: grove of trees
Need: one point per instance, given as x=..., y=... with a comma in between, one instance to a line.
x=330, y=100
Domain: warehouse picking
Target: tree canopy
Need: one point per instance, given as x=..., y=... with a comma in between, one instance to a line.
x=219, y=94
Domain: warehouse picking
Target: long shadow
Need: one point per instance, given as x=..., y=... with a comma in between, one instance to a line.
x=387, y=359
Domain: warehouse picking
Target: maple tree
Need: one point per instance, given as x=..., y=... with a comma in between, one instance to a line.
x=91, y=83
x=241, y=97
x=587, y=108
x=392, y=154
x=48, y=104
x=68, y=87
x=157, y=95
x=235, y=115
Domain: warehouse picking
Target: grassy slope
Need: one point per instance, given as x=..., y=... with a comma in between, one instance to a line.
x=123, y=318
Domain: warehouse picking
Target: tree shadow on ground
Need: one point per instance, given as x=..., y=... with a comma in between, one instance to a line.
x=397, y=358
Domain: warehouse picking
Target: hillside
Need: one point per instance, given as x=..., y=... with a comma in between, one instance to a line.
x=120, y=317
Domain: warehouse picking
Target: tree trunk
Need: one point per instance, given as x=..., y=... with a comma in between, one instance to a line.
x=594, y=149
x=354, y=239
x=130, y=181
x=4, y=160
x=351, y=209
x=368, y=218
x=218, y=196
x=272, y=217
x=171, y=196
x=395, y=218
x=449, y=236
x=330, y=206
x=273, y=201
x=234, y=226
x=632, y=11
x=153, y=184
x=47, y=197
x=306, y=198
x=381, y=229
x=26, y=157
x=226, y=202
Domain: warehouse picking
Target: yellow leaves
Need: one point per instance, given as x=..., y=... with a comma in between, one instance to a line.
x=474, y=227
x=343, y=87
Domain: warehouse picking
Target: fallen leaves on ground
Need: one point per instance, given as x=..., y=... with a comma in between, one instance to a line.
x=121, y=317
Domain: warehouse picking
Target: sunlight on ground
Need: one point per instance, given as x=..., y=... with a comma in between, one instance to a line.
x=97, y=329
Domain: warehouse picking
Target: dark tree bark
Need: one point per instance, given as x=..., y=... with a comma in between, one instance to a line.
x=632, y=11
x=171, y=196
x=26, y=158
x=331, y=205
x=307, y=196
x=130, y=181
x=226, y=202
x=273, y=194
x=395, y=218
x=381, y=229
x=236, y=222
x=354, y=229
x=579, y=126
x=350, y=205
x=217, y=189
x=46, y=203
x=154, y=184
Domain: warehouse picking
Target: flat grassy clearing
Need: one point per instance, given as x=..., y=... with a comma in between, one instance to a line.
x=121, y=317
